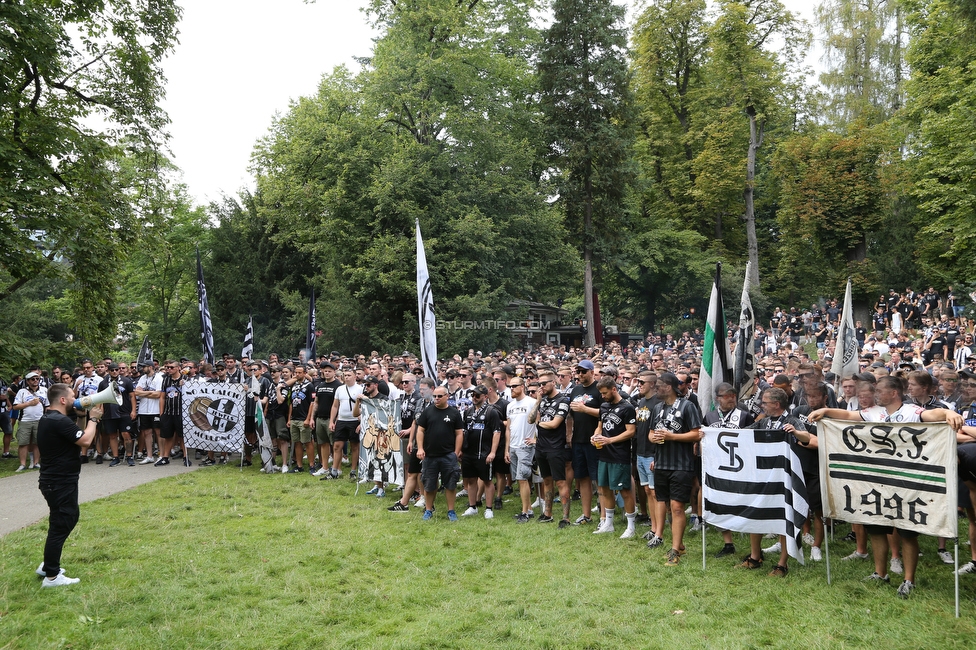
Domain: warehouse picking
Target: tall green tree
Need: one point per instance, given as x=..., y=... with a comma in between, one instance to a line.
x=585, y=96
x=65, y=66
x=941, y=155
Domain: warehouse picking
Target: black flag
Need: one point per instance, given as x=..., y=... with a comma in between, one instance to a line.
x=310, y=335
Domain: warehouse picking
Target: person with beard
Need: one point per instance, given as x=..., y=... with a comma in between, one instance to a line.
x=553, y=448
x=584, y=406
x=420, y=401
x=440, y=432
x=325, y=389
x=499, y=467
x=482, y=434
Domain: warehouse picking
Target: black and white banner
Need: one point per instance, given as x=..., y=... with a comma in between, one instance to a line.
x=754, y=484
x=213, y=416
x=425, y=311
x=248, y=350
x=888, y=474
x=206, y=325
x=380, y=458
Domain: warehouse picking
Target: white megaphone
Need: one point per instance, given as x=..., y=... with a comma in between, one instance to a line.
x=110, y=394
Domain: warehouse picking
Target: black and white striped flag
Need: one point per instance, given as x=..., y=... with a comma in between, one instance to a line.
x=206, y=327
x=425, y=311
x=754, y=484
x=744, y=372
x=248, y=349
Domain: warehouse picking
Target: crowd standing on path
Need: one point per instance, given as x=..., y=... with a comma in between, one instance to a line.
x=555, y=424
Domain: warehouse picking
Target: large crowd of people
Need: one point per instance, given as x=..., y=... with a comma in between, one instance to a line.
x=552, y=426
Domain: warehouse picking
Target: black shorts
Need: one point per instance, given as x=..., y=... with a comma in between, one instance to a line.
x=443, y=469
x=673, y=485
x=585, y=461
x=115, y=426
x=552, y=462
x=812, y=481
x=148, y=422
x=345, y=431
x=887, y=530
x=170, y=426
x=967, y=461
x=475, y=468
x=499, y=467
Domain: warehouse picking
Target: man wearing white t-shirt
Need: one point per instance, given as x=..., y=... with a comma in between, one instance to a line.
x=889, y=392
x=344, y=424
x=520, y=438
x=31, y=401
x=149, y=391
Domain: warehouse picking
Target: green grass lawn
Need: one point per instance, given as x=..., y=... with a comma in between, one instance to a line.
x=223, y=559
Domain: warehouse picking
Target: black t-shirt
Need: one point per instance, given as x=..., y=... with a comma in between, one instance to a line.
x=480, y=426
x=549, y=410
x=172, y=396
x=57, y=436
x=264, y=390
x=440, y=427
x=502, y=407
x=615, y=418
x=680, y=417
x=276, y=410
x=325, y=396
x=113, y=411
x=300, y=397
x=880, y=321
x=737, y=418
x=644, y=409
x=860, y=334
x=584, y=424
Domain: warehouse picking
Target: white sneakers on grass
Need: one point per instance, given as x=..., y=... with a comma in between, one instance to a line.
x=471, y=511
x=815, y=554
x=775, y=548
x=606, y=526
x=60, y=580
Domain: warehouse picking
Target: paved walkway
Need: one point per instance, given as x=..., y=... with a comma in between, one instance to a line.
x=21, y=503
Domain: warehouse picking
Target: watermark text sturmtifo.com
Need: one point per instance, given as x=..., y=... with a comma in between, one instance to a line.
x=490, y=325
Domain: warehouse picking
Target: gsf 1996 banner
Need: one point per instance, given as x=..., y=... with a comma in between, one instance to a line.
x=213, y=416
x=888, y=474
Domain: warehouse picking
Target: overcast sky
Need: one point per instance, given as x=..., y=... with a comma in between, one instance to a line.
x=241, y=61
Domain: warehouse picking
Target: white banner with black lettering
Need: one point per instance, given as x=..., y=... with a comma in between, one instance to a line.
x=379, y=451
x=213, y=416
x=888, y=474
x=754, y=484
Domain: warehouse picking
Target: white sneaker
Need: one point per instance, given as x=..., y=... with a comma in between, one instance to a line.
x=40, y=570
x=537, y=503
x=20, y=469
x=148, y=460
x=470, y=512
x=489, y=513
x=808, y=539
x=284, y=468
x=770, y=536
x=462, y=493
x=59, y=581
x=420, y=503
x=775, y=548
x=815, y=554
x=968, y=567
x=895, y=566
x=855, y=556
x=320, y=472
x=630, y=532
x=595, y=509
x=695, y=524
x=381, y=493
x=946, y=557
x=606, y=526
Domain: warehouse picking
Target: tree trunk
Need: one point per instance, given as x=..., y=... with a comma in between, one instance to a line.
x=755, y=141
x=590, y=339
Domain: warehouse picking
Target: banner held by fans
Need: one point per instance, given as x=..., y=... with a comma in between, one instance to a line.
x=380, y=458
x=754, y=484
x=213, y=416
x=890, y=474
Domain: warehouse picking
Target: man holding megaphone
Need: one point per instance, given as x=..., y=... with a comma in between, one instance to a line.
x=58, y=439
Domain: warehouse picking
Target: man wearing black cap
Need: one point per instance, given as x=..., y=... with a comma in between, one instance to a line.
x=482, y=433
x=584, y=407
x=371, y=390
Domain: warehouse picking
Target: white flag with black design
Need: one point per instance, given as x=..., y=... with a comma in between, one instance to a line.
x=425, y=311
x=754, y=484
x=844, y=363
x=715, y=367
x=890, y=474
x=744, y=373
x=248, y=349
x=213, y=416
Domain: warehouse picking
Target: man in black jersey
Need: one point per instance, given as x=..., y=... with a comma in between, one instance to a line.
x=617, y=425
x=58, y=440
x=553, y=445
x=325, y=389
x=482, y=433
x=584, y=406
